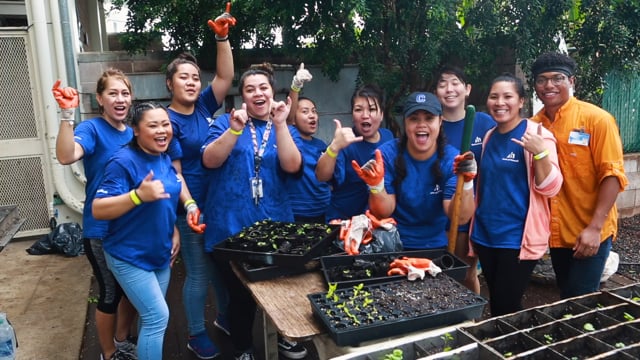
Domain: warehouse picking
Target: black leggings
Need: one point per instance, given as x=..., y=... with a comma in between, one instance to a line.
x=507, y=277
x=110, y=291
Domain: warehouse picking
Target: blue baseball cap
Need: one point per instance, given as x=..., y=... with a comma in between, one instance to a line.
x=422, y=101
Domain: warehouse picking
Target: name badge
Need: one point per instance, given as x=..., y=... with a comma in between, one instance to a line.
x=579, y=138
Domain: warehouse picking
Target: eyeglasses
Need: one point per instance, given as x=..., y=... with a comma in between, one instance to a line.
x=555, y=80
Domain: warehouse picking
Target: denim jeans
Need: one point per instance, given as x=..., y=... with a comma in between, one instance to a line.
x=146, y=290
x=579, y=276
x=200, y=272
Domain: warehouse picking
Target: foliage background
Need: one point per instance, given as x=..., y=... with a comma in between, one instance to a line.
x=399, y=44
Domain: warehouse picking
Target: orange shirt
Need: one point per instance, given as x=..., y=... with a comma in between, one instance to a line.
x=584, y=164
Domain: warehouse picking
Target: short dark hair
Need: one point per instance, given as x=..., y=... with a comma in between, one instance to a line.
x=553, y=61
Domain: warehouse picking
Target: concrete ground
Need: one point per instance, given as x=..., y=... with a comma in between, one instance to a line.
x=45, y=298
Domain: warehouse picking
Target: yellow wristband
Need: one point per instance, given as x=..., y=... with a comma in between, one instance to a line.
x=134, y=197
x=187, y=203
x=235, y=132
x=295, y=88
x=542, y=155
x=330, y=152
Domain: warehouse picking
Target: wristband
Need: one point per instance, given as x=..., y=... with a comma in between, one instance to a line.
x=235, y=132
x=222, y=39
x=377, y=188
x=187, y=203
x=468, y=185
x=330, y=153
x=541, y=155
x=295, y=88
x=134, y=197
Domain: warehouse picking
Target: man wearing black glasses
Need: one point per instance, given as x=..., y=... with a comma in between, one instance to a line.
x=583, y=214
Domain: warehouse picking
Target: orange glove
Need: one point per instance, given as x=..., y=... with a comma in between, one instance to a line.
x=355, y=232
x=465, y=165
x=193, y=218
x=372, y=172
x=67, y=98
x=384, y=223
x=414, y=268
x=221, y=24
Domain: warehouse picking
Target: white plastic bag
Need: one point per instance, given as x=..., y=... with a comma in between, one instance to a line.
x=611, y=266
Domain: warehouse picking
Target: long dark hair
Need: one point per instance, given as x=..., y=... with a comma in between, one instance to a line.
x=401, y=167
x=172, y=68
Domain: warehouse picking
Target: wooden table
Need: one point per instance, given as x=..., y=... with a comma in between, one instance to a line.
x=285, y=308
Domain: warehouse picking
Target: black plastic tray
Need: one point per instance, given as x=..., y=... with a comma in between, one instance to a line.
x=453, y=266
x=394, y=308
x=225, y=250
x=255, y=271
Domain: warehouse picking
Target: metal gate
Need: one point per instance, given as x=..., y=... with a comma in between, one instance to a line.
x=24, y=177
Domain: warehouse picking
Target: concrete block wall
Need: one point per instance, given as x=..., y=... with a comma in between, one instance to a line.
x=629, y=201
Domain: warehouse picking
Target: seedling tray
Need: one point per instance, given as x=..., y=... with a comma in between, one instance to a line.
x=278, y=243
x=347, y=270
x=367, y=312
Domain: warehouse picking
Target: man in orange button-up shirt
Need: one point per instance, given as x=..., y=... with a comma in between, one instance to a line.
x=584, y=218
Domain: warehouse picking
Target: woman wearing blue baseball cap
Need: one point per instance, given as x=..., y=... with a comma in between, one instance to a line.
x=412, y=179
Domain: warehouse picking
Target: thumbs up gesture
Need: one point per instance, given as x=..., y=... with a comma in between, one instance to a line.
x=302, y=75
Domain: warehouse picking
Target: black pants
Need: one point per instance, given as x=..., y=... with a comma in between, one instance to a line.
x=242, y=308
x=507, y=277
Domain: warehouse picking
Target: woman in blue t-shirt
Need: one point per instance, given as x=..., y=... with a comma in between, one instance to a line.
x=413, y=181
x=349, y=193
x=138, y=195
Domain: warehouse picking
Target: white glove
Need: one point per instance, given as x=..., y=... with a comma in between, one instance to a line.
x=302, y=75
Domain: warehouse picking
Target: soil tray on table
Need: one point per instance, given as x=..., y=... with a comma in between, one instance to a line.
x=350, y=270
x=367, y=312
x=278, y=243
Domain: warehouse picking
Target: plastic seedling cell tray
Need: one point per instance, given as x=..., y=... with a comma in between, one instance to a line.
x=619, y=336
x=564, y=310
x=540, y=354
x=633, y=350
x=553, y=333
x=512, y=345
x=590, y=322
x=597, y=300
x=489, y=329
x=527, y=319
x=629, y=292
x=278, y=243
x=367, y=312
x=582, y=347
x=445, y=342
x=347, y=271
x=623, y=312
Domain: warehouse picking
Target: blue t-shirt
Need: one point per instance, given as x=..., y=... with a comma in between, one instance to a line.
x=481, y=124
x=142, y=236
x=350, y=194
x=308, y=196
x=100, y=141
x=189, y=133
x=419, y=212
x=229, y=205
x=503, y=174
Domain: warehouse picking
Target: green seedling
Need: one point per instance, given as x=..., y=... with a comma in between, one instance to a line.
x=92, y=300
x=447, y=338
x=567, y=316
x=620, y=345
x=331, y=293
x=628, y=316
x=508, y=354
x=548, y=339
x=588, y=327
x=396, y=354
x=635, y=298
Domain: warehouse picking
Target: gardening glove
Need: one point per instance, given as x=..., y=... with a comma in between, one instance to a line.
x=193, y=218
x=372, y=173
x=355, y=232
x=221, y=24
x=67, y=98
x=386, y=224
x=414, y=268
x=465, y=165
x=302, y=75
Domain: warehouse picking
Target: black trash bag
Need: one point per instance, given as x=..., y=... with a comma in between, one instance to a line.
x=383, y=241
x=65, y=239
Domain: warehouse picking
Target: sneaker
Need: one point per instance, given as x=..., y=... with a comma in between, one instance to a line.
x=202, y=346
x=222, y=323
x=127, y=346
x=119, y=355
x=245, y=356
x=291, y=349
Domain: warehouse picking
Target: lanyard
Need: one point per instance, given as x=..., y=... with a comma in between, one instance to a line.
x=259, y=151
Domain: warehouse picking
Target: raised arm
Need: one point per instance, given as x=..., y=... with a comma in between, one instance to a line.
x=67, y=150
